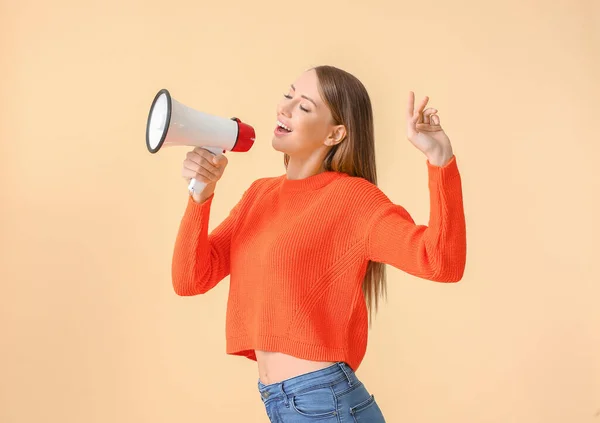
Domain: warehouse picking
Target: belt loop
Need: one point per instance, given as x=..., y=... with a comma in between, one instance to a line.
x=285, y=397
x=345, y=370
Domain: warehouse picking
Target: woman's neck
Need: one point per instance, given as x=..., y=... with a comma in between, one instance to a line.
x=304, y=168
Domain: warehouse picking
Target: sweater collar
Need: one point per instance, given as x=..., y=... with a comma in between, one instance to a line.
x=310, y=183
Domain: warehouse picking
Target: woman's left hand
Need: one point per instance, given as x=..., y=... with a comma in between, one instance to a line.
x=425, y=133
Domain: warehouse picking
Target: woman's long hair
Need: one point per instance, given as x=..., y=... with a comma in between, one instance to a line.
x=350, y=105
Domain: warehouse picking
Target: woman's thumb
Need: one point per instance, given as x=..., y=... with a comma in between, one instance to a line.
x=218, y=160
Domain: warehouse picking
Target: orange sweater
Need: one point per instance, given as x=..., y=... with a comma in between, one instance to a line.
x=296, y=252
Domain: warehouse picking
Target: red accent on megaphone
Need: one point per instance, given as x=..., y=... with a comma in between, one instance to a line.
x=245, y=137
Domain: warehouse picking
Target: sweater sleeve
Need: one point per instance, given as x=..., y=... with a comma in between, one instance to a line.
x=201, y=260
x=435, y=252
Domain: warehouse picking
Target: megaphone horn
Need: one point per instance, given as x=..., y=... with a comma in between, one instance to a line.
x=172, y=123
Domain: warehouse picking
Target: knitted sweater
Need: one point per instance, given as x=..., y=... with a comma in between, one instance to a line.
x=297, y=251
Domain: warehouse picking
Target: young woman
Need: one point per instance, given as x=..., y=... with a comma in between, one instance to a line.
x=306, y=251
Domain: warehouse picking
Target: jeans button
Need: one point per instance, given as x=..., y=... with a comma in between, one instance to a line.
x=266, y=394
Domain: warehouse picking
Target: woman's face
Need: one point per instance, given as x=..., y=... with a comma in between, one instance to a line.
x=304, y=122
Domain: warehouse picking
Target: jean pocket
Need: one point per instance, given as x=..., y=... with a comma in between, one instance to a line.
x=316, y=403
x=367, y=411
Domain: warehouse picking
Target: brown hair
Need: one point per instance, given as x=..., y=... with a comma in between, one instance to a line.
x=350, y=105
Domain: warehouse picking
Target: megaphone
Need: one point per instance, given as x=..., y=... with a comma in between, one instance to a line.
x=172, y=123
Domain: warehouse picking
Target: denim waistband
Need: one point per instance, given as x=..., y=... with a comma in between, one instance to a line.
x=295, y=385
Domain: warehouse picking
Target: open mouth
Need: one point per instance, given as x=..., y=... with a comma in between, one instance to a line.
x=282, y=129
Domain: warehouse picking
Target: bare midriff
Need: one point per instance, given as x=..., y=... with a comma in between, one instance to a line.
x=274, y=367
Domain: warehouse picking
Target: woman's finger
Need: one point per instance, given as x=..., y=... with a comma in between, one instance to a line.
x=203, y=152
x=208, y=164
x=200, y=174
x=199, y=154
x=210, y=168
x=427, y=114
x=188, y=173
x=193, y=156
x=220, y=161
x=410, y=110
x=204, y=168
x=422, y=107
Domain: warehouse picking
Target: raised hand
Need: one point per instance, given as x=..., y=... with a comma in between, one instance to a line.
x=203, y=166
x=425, y=132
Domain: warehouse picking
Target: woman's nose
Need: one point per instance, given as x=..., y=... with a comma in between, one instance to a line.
x=284, y=109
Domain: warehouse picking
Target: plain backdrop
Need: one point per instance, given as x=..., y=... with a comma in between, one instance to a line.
x=91, y=330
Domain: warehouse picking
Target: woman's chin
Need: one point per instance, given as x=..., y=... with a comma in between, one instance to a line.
x=278, y=145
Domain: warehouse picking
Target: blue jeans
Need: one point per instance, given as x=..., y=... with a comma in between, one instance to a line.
x=330, y=395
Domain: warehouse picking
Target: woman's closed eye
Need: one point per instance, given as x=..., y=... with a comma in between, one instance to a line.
x=304, y=109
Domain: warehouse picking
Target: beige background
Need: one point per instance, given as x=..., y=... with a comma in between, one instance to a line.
x=91, y=330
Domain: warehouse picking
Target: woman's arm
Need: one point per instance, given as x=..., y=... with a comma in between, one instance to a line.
x=201, y=260
x=436, y=252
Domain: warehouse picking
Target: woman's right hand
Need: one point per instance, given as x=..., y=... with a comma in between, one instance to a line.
x=202, y=165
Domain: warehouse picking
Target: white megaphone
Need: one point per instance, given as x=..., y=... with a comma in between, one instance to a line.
x=172, y=123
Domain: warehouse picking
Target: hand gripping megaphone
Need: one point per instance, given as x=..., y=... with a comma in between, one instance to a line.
x=172, y=123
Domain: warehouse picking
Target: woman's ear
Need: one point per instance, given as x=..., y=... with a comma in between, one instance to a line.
x=336, y=136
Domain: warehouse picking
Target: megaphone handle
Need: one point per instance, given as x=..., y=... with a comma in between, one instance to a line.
x=198, y=186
